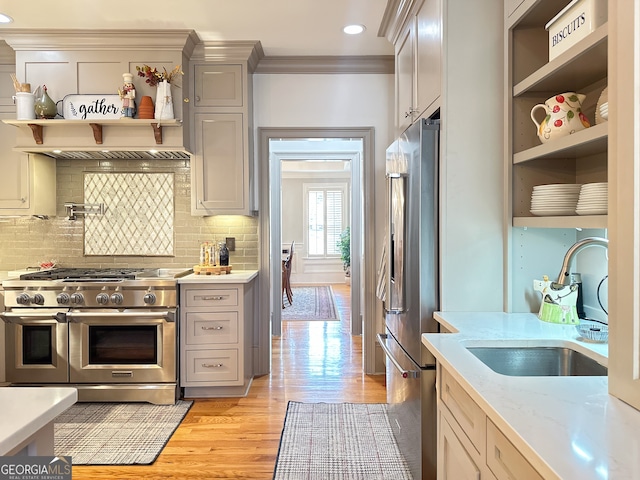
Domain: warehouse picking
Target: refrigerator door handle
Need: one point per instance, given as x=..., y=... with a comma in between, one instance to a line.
x=382, y=337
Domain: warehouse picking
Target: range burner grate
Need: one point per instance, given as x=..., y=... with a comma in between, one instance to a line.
x=85, y=273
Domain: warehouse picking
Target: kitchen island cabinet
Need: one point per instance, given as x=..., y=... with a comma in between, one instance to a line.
x=27, y=415
x=562, y=427
x=216, y=334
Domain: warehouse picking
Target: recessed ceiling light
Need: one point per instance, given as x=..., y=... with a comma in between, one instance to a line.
x=353, y=29
x=5, y=18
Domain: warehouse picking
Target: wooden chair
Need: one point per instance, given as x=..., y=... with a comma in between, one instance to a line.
x=286, y=277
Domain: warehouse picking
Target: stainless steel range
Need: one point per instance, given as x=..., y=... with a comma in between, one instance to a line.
x=109, y=332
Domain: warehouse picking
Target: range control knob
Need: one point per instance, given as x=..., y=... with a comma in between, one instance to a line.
x=63, y=298
x=117, y=298
x=23, y=299
x=38, y=299
x=77, y=298
x=102, y=298
x=150, y=298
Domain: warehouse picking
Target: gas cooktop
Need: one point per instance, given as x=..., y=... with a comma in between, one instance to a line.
x=88, y=273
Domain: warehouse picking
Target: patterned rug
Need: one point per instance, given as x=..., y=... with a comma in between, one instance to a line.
x=116, y=433
x=311, y=303
x=346, y=441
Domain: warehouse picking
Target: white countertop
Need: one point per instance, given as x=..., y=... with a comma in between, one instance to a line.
x=25, y=410
x=236, y=276
x=567, y=427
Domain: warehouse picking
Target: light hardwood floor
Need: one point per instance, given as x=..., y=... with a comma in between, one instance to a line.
x=237, y=438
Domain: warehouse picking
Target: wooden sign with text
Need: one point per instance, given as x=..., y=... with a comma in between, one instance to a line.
x=91, y=107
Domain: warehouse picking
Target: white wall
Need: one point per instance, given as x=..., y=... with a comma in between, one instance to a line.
x=334, y=100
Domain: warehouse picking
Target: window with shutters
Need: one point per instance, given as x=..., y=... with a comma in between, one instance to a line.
x=325, y=218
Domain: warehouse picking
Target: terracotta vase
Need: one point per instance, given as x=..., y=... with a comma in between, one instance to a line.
x=145, y=110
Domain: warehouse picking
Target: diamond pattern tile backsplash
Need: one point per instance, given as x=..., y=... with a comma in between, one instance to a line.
x=139, y=212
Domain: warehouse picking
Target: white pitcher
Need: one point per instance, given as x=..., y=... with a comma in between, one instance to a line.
x=563, y=116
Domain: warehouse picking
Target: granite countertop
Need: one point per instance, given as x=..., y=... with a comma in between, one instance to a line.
x=236, y=276
x=567, y=427
x=25, y=410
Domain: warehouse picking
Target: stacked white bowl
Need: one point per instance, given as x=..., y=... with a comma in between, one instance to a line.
x=555, y=199
x=593, y=199
x=604, y=110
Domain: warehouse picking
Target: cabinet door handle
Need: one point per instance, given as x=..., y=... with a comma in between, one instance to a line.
x=212, y=365
x=218, y=327
x=210, y=297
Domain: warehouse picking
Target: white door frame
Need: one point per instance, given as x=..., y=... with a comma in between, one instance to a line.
x=270, y=243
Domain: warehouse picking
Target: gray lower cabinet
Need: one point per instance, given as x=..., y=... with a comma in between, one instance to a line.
x=215, y=339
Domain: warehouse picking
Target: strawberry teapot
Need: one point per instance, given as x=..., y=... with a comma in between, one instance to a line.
x=563, y=116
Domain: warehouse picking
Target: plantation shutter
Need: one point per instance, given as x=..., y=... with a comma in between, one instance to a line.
x=334, y=221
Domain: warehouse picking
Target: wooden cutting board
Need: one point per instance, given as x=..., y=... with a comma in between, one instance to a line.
x=212, y=270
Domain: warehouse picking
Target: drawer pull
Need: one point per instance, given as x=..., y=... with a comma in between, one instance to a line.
x=498, y=457
x=218, y=327
x=212, y=365
x=210, y=297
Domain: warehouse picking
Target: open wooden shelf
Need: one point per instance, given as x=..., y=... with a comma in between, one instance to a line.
x=569, y=221
x=95, y=126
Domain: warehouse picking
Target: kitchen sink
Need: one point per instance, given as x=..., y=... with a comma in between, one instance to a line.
x=538, y=361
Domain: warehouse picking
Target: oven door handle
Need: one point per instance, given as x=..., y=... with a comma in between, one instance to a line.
x=382, y=337
x=11, y=317
x=169, y=316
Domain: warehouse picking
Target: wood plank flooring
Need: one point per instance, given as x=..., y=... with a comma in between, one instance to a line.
x=238, y=438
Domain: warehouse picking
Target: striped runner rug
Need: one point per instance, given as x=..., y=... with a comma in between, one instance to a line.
x=346, y=441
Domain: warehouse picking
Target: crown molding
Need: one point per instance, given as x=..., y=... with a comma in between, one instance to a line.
x=223, y=51
x=98, y=40
x=394, y=18
x=7, y=55
x=371, y=64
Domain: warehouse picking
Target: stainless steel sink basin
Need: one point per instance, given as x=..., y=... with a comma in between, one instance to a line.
x=538, y=361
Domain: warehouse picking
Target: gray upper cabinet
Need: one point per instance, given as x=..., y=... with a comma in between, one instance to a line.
x=28, y=182
x=428, y=54
x=418, y=62
x=219, y=86
x=221, y=166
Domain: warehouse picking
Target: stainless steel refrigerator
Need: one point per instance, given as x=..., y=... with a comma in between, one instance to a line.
x=412, y=292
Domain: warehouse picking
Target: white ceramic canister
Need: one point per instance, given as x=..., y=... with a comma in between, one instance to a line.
x=25, y=105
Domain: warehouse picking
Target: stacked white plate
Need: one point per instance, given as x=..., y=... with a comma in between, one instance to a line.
x=555, y=199
x=593, y=199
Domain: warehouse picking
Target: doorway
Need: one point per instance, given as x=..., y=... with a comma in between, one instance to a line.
x=351, y=145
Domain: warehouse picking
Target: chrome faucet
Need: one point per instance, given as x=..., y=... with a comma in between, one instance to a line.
x=573, y=251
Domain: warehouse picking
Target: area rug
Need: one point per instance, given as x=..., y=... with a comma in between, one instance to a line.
x=311, y=303
x=345, y=441
x=116, y=433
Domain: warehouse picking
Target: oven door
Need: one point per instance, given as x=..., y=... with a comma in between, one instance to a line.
x=122, y=346
x=37, y=346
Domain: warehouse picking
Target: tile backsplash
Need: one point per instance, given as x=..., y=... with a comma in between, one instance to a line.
x=25, y=242
x=138, y=214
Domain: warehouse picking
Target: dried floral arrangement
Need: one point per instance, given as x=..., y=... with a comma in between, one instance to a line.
x=152, y=76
